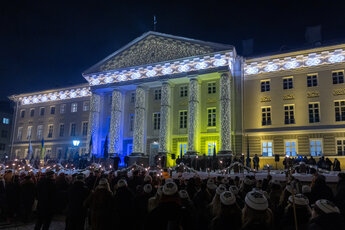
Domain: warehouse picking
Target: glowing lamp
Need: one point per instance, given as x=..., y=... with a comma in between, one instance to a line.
x=76, y=143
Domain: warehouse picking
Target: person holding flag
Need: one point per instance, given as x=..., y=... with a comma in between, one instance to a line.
x=42, y=151
x=30, y=155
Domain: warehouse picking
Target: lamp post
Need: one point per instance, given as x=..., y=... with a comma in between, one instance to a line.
x=75, y=145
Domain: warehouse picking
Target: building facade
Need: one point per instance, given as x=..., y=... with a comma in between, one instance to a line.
x=173, y=95
x=6, y=124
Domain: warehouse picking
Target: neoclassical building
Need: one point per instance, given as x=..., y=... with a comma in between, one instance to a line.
x=172, y=95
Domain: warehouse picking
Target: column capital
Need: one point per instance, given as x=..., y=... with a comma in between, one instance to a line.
x=224, y=73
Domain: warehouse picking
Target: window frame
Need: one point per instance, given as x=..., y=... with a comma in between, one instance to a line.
x=341, y=113
x=83, y=131
x=29, y=132
x=74, y=107
x=313, y=112
x=342, y=140
x=20, y=133
x=183, y=119
x=156, y=116
x=183, y=91
x=311, y=81
x=75, y=128
x=211, y=87
x=131, y=122
x=50, y=131
x=286, y=86
x=63, y=130
x=212, y=119
x=32, y=112
x=42, y=111
x=157, y=94
x=337, y=82
x=86, y=106
x=310, y=146
x=39, y=132
x=265, y=85
x=262, y=148
x=296, y=147
x=268, y=122
x=22, y=113
x=291, y=121
x=62, y=108
x=52, y=110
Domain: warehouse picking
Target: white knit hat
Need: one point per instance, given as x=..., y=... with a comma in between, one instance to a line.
x=233, y=189
x=211, y=186
x=183, y=194
x=220, y=189
x=327, y=206
x=306, y=189
x=147, y=188
x=256, y=200
x=300, y=199
x=227, y=198
x=169, y=188
x=289, y=188
x=121, y=183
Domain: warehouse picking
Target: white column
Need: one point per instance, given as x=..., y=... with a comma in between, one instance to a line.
x=193, y=115
x=93, y=128
x=115, y=122
x=164, y=132
x=225, y=113
x=139, y=121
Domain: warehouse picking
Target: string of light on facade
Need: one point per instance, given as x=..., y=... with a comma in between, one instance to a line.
x=56, y=96
x=288, y=63
x=182, y=66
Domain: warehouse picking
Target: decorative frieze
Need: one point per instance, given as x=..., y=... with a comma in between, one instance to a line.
x=265, y=99
x=337, y=92
x=312, y=94
x=288, y=97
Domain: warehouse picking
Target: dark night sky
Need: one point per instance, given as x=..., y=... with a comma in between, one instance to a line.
x=47, y=44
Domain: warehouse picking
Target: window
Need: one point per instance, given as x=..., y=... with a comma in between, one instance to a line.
x=22, y=113
x=182, y=148
x=314, y=112
x=156, y=120
x=183, y=91
x=29, y=132
x=62, y=108
x=61, y=130
x=211, y=113
x=39, y=131
x=338, y=77
x=131, y=122
x=85, y=127
x=266, y=115
x=267, y=148
x=42, y=111
x=339, y=107
x=32, y=112
x=289, y=114
x=340, y=147
x=312, y=80
x=316, y=147
x=86, y=106
x=158, y=94
x=52, y=110
x=288, y=83
x=20, y=133
x=5, y=121
x=74, y=107
x=73, y=126
x=265, y=85
x=211, y=87
x=50, y=131
x=132, y=99
x=211, y=148
x=2, y=146
x=183, y=119
x=290, y=148
x=4, y=133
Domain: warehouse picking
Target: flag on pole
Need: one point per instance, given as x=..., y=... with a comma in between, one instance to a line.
x=180, y=150
x=105, y=153
x=42, y=149
x=29, y=150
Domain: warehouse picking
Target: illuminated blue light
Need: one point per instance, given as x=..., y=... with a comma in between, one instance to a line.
x=108, y=79
x=121, y=77
x=95, y=81
x=313, y=61
x=291, y=65
x=271, y=67
x=83, y=92
x=35, y=99
x=336, y=58
x=167, y=70
x=73, y=94
x=53, y=97
x=252, y=70
x=135, y=76
x=62, y=95
x=219, y=62
x=201, y=65
x=151, y=73
x=183, y=68
x=26, y=101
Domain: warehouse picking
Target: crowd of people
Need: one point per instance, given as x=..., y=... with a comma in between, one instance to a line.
x=141, y=199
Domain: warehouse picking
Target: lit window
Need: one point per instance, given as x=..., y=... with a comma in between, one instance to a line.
x=50, y=131
x=74, y=107
x=183, y=91
x=39, y=131
x=73, y=127
x=183, y=119
x=211, y=148
x=316, y=147
x=85, y=127
x=339, y=107
x=290, y=148
x=288, y=83
x=211, y=115
x=182, y=148
x=267, y=148
x=62, y=130
x=265, y=85
x=20, y=133
x=131, y=122
x=86, y=106
x=340, y=147
x=312, y=80
x=338, y=77
x=211, y=87
x=28, y=133
x=314, y=112
x=5, y=121
x=266, y=115
x=158, y=94
x=52, y=110
x=289, y=115
x=156, y=121
x=62, y=108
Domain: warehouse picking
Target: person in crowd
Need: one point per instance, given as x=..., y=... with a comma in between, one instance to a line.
x=76, y=211
x=126, y=160
x=311, y=161
x=336, y=165
x=249, y=162
x=320, y=190
x=306, y=191
x=256, y=214
x=28, y=194
x=117, y=161
x=46, y=196
x=339, y=198
x=326, y=216
x=100, y=203
x=215, y=204
x=328, y=164
x=321, y=163
x=256, y=161
x=303, y=213
x=123, y=205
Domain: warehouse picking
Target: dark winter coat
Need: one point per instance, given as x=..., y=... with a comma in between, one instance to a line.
x=46, y=194
x=123, y=204
x=332, y=221
x=76, y=195
x=28, y=192
x=226, y=222
x=339, y=198
x=320, y=191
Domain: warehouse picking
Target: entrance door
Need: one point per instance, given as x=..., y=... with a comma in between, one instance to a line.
x=153, y=152
x=182, y=148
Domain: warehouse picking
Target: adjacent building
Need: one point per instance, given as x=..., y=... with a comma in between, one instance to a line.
x=6, y=124
x=173, y=95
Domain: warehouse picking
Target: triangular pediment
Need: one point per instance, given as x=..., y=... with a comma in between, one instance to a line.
x=153, y=47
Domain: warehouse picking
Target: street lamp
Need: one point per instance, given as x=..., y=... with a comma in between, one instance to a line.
x=76, y=143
